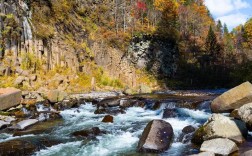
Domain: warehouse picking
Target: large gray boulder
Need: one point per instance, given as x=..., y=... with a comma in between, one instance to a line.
x=245, y=113
x=9, y=97
x=219, y=146
x=156, y=137
x=233, y=99
x=220, y=126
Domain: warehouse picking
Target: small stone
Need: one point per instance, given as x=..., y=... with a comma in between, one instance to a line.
x=108, y=118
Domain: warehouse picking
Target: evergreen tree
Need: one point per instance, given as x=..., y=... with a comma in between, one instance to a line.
x=219, y=28
x=212, y=46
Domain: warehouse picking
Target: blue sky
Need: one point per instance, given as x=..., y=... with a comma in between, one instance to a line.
x=231, y=12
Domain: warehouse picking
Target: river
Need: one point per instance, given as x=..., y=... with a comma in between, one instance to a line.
x=122, y=136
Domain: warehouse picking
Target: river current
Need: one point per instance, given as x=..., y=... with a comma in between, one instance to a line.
x=122, y=136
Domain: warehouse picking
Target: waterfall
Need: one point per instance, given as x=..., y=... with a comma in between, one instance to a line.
x=26, y=23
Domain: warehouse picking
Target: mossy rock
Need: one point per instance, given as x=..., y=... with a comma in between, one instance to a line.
x=198, y=137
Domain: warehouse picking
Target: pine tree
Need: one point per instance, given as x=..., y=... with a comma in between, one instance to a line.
x=212, y=46
x=219, y=28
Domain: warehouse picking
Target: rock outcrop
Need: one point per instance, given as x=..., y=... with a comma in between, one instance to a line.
x=156, y=137
x=233, y=99
x=219, y=146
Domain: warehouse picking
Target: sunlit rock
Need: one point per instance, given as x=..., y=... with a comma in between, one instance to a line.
x=233, y=99
x=219, y=146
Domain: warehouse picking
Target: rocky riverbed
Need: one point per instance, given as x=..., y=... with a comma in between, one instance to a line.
x=173, y=123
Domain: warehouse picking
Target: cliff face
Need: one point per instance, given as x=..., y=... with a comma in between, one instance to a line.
x=37, y=38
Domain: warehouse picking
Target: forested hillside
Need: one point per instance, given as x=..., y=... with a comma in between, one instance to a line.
x=119, y=43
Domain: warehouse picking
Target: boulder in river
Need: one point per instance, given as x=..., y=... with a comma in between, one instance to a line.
x=108, y=118
x=169, y=113
x=24, y=124
x=88, y=132
x=220, y=126
x=219, y=146
x=17, y=147
x=233, y=99
x=9, y=97
x=156, y=137
x=186, y=135
x=110, y=102
x=245, y=112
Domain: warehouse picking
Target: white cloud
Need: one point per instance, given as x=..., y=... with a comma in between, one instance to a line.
x=223, y=7
x=233, y=20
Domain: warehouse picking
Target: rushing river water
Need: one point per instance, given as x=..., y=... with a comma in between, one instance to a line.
x=122, y=136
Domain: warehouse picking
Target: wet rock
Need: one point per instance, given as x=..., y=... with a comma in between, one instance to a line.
x=219, y=146
x=47, y=115
x=169, y=113
x=144, y=89
x=111, y=102
x=188, y=129
x=245, y=112
x=17, y=148
x=156, y=105
x=88, y=132
x=39, y=128
x=124, y=103
x=24, y=124
x=234, y=129
x=100, y=111
x=69, y=103
x=9, y=97
x=186, y=135
x=233, y=99
x=115, y=111
x=234, y=114
x=107, y=119
x=198, y=135
x=3, y=124
x=156, y=137
x=56, y=96
x=132, y=102
x=204, y=154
